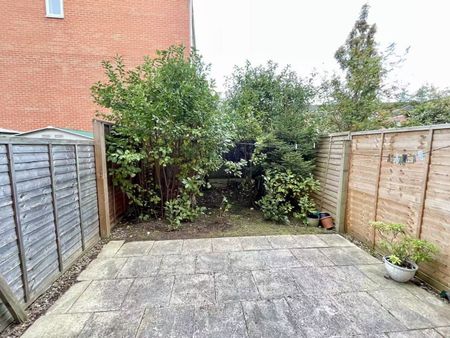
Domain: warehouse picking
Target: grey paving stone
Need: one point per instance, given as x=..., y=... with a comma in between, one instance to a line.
x=212, y=262
x=193, y=290
x=282, y=258
x=332, y=279
x=270, y=318
x=255, y=243
x=57, y=326
x=377, y=273
x=247, y=260
x=308, y=241
x=349, y=256
x=195, y=246
x=410, y=310
x=177, y=264
x=167, y=322
x=102, y=268
x=311, y=257
x=145, y=292
x=275, y=283
x=122, y=324
x=226, y=244
x=223, y=321
x=143, y=266
x=64, y=303
x=236, y=286
x=141, y=248
x=444, y=331
x=321, y=317
x=368, y=315
x=102, y=295
x=335, y=240
x=427, y=333
x=110, y=249
x=171, y=247
x=282, y=242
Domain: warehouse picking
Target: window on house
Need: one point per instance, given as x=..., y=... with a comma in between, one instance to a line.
x=55, y=8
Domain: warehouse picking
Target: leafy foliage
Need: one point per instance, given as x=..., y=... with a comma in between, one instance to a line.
x=403, y=248
x=286, y=194
x=429, y=105
x=168, y=132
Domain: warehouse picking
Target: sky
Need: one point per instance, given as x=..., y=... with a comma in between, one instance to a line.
x=305, y=34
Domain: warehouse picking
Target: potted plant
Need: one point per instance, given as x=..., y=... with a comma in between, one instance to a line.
x=312, y=218
x=404, y=251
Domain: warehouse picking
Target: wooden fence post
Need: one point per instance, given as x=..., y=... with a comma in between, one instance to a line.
x=423, y=191
x=343, y=186
x=77, y=163
x=330, y=140
x=19, y=234
x=101, y=172
x=378, y=186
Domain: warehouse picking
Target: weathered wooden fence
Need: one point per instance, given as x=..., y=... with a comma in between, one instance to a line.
x=48, y=212
x=394, y=175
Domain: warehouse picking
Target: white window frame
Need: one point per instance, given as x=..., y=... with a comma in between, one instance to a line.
x=51, y=15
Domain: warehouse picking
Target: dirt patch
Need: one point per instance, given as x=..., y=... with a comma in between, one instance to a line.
x=56, y=290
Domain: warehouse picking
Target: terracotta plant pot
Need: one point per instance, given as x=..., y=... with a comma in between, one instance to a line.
x=326, y=220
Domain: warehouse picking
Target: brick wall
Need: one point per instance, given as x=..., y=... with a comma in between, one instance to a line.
x=48, y=65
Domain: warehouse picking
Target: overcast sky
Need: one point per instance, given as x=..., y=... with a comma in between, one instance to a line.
x=305, y=34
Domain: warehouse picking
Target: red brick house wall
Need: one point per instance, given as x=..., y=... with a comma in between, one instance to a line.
x=48, y=65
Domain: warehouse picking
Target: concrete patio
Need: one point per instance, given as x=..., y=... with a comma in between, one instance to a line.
x=273, y=286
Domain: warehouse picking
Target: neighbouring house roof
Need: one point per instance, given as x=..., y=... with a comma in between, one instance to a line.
x=4, y=131
x=54, y=132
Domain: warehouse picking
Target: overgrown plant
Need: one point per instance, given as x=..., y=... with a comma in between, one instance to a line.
x=287, y=194
x=403, y=249
x=168, y=132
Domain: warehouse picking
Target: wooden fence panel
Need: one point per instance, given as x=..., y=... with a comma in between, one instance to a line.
x=48, y=212
x=396, y=175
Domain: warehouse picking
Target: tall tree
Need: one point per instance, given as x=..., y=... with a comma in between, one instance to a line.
x=353, y=100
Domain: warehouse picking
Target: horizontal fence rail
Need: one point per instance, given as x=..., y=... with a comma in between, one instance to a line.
x=48, y=212
x=393, y=175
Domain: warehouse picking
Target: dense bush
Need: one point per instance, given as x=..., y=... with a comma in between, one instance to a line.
x=168, y=132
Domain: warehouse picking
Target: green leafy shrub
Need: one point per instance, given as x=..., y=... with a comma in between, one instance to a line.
x=168, y=132
x=287, y=194
x=403, y=248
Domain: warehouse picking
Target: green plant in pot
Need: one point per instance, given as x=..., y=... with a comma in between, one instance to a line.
x=404, y=251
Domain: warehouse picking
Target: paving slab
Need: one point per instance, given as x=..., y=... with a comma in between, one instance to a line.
x=195, y=290
x=223, y=321
x=110, y=249
x=282, y=242
x=428, y=333
x=64, y=303
x=321, y=317
x=349, y=256
x=177, y=265
x=247, y=260
x=255, y=243
x=135, y=249
x=102, y=295
x=275, y=283
x=142, y=266
x=377, y=273
x=145, y=292
x=167, y=322
x=410, y=310
x=308, y=241
x=195, y=246
x=171, y=247
x=368, y=315
x=58, y=326
x=212, y=262
x=270, y=318
x=444, y=331
x=335, y=240
x=102, y=268
x=235, y=286
x=226, y=244
x=280, y=258
x=122, y=324
x=311, y=257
